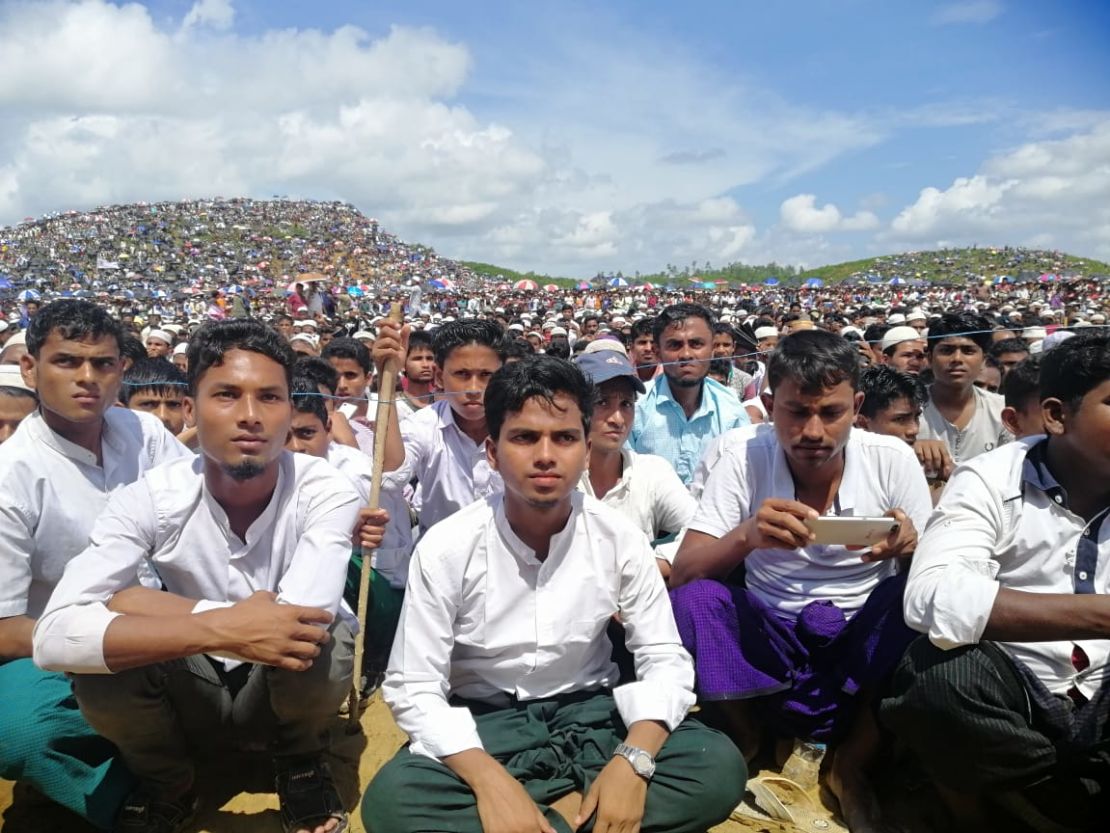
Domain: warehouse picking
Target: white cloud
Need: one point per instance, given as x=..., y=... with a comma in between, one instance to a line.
x=969, y=11
x=801, y=214
x=1054, y=192
x=219, y=14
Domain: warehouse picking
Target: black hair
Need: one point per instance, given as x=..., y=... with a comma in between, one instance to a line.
x=130, y=347
x=1022, y=383
x=814, y=360
x=74, y=319
x=968, y=325
x=643, y=327
x=514, y=349
x=419, y=338
x=281, y=316
x=455, y=334
x=1074, y=368
x=348, y=348
x=305, y=395
x=875, y=332
x=727, y=329
x=676, y=314
x=158, y=375
x=213, y=340
x=1008, y=345
x=720, y=367
x=558, y=347
x=542, y=376
x=883, y=385
x=319, y=370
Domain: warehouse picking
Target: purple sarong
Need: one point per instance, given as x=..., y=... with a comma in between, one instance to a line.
x=802, y=674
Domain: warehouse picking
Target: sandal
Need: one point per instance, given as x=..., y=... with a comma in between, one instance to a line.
x=307, y=796
x=142, y=813
x=772, y=797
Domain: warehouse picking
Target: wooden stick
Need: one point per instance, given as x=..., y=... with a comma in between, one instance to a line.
x=381, y=424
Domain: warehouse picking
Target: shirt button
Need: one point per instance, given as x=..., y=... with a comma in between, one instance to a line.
x=1058, y=499
x=1082, y=575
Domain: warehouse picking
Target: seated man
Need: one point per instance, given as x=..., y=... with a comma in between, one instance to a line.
x=248, y=637
x=1007, y=701
x=501, y=674
x=57, y=472
x=800, y=648
x=642, y=487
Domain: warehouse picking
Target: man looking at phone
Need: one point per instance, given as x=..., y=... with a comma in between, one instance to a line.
x=800, y=647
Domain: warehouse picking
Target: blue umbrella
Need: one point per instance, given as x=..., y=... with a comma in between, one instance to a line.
x=28, y=295
x=618, y=282
x=814, y=283
x=5, y=283
x=896, y=282
x=771, y=282
x=874, y=279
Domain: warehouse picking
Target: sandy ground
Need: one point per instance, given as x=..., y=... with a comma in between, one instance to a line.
x=236, y=791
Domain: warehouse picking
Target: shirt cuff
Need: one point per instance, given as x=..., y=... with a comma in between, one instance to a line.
x=72, y=640
x=455, y=733
x=13, y=607
x=650, y=700
x=961, y=609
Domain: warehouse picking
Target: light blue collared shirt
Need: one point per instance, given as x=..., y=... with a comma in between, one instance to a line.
x=662, y=428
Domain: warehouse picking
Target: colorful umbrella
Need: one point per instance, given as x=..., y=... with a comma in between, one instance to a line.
x=526, y=285
x=550, y=287
x=617, y=282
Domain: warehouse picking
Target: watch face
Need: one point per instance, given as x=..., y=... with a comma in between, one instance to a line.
x=642, y=762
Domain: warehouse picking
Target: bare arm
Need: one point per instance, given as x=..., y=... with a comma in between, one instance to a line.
x=15, y=637
x=1018, y=616
x=145, y=601
x=258, y=629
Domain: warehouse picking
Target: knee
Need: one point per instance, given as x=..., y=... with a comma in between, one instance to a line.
x=703, y=594
x=380, y=807
x=320, y=688
x=102, y=695
x=728, y=776
x=927, y=684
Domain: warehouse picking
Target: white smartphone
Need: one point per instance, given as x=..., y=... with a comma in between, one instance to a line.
x=851, y=532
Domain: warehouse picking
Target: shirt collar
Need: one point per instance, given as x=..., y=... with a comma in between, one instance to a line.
x=844, y=500
x=663, y=391
x=1035, y=473
x=522, y=551
x=56, y=441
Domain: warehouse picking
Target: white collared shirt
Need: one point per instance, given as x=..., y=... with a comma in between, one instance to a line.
x=649, y=494
x=391, y=559
x=979, y=541
x=452, y=469
x=747, y=466
x=484, y=619
x=54, y=490
x=298, y=548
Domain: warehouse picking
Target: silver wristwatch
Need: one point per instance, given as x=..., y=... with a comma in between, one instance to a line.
x=642, y=762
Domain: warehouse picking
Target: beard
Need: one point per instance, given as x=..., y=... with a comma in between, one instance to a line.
x=685, y=381
x=244, y=470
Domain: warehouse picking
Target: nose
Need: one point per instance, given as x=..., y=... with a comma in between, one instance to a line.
x=544, y=456
x=813, y=429
x=247, y=411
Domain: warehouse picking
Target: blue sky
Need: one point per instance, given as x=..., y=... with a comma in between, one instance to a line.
x=571, y=137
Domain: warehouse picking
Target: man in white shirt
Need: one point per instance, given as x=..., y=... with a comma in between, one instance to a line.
x=445, y=442
x=1008, y=699
x=799, y=648
x=501, y=673
x=642, y=487
x=966, y=418
x=56, y=474
x=247, y=636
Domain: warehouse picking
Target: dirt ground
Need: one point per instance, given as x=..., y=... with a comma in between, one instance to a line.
x=237, y=793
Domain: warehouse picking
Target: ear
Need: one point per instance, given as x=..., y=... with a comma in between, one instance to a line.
x=861, y=421
x=768, y=401
x=188, y=411
x=857, y=402
x=437, y=376
x=1055, y=416
x=491, y=453
x=28, y=370
x=1009, y=419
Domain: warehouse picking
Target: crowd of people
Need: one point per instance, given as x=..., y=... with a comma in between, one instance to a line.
x=851, y=521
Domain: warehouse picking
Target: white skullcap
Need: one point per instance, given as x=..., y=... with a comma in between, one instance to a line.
x=161, y=335
x=765, y=332
x=10, y=377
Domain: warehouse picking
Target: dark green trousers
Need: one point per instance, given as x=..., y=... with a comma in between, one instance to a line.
x=555, y=747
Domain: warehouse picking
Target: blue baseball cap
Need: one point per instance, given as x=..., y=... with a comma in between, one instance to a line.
x=603, y=365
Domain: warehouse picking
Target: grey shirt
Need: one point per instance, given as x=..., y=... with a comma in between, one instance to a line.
x=984, y=432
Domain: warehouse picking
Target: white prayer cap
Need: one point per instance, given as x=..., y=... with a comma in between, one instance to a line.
x=896, y=318
x=916, y=315
x=1031, y=333
x=161, y=335
x=181, y=349
x=600, y=344
x=10, y=377
x=765, y=332
x=896, y=335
